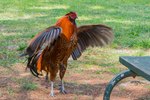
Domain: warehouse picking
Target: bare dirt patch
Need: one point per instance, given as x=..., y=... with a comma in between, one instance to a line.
x=85, y=85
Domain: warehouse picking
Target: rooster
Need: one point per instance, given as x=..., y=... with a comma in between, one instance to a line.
x=50, y=49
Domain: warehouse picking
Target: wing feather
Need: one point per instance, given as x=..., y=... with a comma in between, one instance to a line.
x=46, y=37
x=92, y=35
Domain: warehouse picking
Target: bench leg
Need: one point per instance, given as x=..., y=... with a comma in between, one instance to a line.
x=115, y=80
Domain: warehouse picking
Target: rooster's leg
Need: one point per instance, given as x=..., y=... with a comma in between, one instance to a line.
x=52, y=89
x=62, y=88
x=46, y=80
x=46, y=77
x=53, y=73
x=61, y=74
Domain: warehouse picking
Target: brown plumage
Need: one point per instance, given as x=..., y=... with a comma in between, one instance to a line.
x=50, y=49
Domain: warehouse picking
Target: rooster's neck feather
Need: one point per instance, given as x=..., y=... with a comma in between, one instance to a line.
x=68, y=26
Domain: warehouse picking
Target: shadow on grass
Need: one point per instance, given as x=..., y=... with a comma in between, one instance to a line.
x=85, y=89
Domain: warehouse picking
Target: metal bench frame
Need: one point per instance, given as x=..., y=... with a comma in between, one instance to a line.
x=138, y=66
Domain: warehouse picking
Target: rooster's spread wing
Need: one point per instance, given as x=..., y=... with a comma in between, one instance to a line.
x=92, y=35
x=43, y=39
x=38, y=44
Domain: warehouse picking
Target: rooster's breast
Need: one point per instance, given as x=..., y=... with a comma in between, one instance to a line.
x=62, y=49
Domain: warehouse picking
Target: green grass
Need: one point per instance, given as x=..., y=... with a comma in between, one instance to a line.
x=29, y=86
x=21, y=20
x=147, y=87
x=114, y=70
x=10, y=91
x=25, y=83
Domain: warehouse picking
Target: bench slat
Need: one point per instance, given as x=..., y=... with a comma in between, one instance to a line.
x=139, y=65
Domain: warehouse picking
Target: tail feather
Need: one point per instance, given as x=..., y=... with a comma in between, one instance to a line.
x=39, y=61
x=32, y=64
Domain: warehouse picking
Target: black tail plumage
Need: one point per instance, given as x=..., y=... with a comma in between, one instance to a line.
x=32, y=64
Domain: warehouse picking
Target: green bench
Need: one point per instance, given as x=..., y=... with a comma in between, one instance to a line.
x=137, y=66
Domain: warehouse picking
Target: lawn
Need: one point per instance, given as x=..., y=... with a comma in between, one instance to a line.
x=20, y=20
